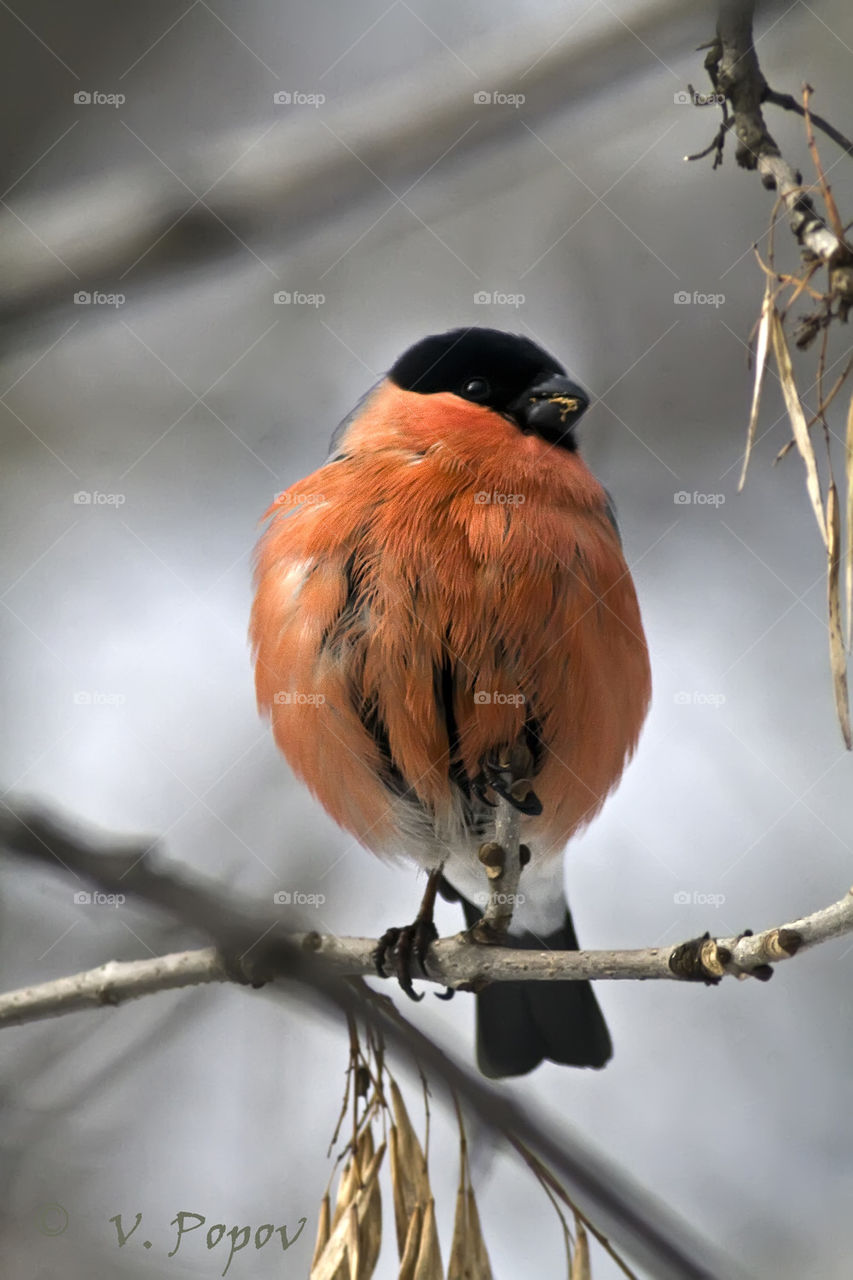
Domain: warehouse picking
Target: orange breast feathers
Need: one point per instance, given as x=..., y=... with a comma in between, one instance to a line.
x=444, y=582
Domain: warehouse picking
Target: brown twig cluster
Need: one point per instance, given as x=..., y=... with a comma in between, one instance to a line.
x=823, y=278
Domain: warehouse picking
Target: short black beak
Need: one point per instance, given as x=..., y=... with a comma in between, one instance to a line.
x=550, y=408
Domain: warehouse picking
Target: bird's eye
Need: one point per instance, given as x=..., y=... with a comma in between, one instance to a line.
x=476, y=389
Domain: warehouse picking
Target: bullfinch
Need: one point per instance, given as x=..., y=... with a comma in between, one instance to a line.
x=443, y=614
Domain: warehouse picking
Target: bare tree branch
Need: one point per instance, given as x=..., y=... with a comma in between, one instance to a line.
x=788, y=102
x=735, y=73
x=453, y=962
x=501, y=860
x=111, y=984
x=659, y=1242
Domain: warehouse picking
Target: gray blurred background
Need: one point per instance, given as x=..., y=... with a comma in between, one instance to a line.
x=382, y=199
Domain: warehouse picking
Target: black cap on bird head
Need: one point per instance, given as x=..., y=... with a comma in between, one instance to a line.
x=504, y=372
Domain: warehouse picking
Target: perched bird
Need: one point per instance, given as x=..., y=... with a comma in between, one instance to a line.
x=443, y=614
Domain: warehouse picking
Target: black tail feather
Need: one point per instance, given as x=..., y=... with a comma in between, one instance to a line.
x=520, y=1024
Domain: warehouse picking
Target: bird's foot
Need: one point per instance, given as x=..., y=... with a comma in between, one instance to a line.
x=398, y=948
x=507, y=774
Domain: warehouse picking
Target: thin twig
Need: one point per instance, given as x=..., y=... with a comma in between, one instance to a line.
x=251, y=932
x=789, y=103
x=735, y=72
x=502, y=859
x=451, y=962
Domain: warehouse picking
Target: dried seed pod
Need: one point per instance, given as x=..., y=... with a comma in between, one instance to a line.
x=428, y=1265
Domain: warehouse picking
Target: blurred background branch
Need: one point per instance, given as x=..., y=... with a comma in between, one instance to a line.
x=643, y=1227
x=279, y=183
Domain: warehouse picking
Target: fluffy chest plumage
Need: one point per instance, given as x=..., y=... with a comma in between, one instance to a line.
x=427, y=608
